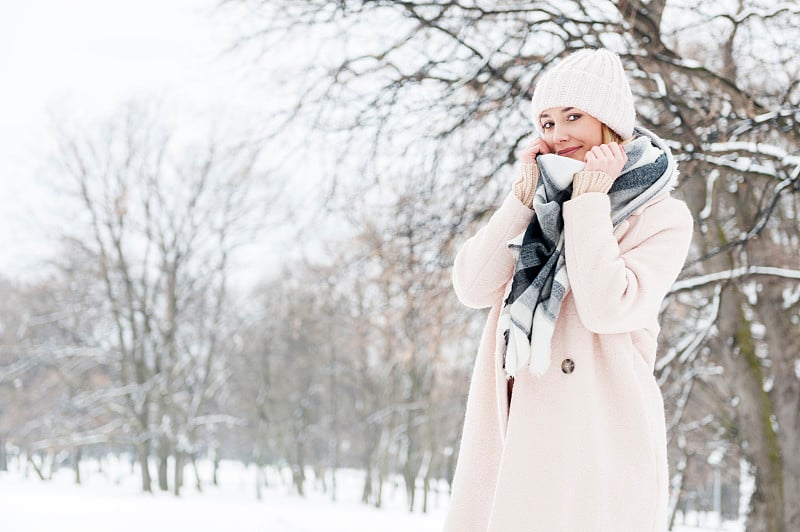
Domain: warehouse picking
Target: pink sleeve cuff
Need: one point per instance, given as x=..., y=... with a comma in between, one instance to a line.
x=591, y=181
x=525, y=185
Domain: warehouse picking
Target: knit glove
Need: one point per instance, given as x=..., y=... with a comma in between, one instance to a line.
x=591, y=181
x=525, y=185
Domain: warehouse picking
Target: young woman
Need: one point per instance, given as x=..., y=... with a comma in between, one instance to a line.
x=564, y=427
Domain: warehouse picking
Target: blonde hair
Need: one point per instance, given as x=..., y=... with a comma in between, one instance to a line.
x=609, y=135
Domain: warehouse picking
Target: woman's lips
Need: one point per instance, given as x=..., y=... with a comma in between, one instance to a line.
x=566, y=152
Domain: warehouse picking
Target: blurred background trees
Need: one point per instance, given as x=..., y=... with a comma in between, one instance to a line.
x=356, y=353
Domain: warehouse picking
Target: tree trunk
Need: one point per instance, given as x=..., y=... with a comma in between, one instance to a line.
x=298, y=478
x=3, y=457
x=757, y=434
x=163, y=464
x=298, y=465
x=335, y=436
x=383, y=467
x=411, y=468
x=215, y=478
x=366, y=493
x=198, y=483
x=784, y=342
x=260, y=476
x=260, y=455
x=320, y=477
x=143, y=452
x=36, y=467
x=676, y=488
x=180, y=458
x=426, y=478
x=76, y=464
x=767, y=502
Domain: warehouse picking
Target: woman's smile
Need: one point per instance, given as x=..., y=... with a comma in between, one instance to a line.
x=566, y=152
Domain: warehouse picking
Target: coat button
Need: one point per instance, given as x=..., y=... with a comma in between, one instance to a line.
x=568, y=366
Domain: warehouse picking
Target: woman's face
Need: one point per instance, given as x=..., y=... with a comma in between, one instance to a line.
x=570, y=132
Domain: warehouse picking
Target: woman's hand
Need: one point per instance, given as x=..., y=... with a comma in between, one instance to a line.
x=525, y=185
x=536, y=146
x=608, y=158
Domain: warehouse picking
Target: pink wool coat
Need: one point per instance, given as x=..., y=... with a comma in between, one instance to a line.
x=579, y=451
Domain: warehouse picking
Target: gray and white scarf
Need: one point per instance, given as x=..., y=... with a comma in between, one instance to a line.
x=540, y=280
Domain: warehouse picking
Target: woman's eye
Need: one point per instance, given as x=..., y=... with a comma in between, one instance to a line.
x=573, y=118
x=547, y=125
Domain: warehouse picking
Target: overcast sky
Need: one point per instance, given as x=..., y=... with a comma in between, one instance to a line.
x=91, y=56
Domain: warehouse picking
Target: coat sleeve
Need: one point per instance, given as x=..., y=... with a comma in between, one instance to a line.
x=619, y=292
x=484, y=264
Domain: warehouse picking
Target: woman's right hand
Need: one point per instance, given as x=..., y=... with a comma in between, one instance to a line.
x=609, y=158
x=536, y=147
x=524, y=186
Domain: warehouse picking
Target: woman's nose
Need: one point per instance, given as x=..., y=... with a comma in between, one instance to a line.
x=559, y=133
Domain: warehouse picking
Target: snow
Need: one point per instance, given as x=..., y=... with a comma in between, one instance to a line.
x=754, y=147
x=716, y=456
x=791, y=295
x=111, y=500
x=662, y=87
x=701, y=280
x=34, y=506
x=114, y=497
x=741, y=164
x=748, y=12
x=747, y=486
x=710, y=180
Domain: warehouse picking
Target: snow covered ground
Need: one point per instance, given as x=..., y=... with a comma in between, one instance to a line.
x=110, y=501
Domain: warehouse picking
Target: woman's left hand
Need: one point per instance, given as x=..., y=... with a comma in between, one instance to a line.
x=608, y=158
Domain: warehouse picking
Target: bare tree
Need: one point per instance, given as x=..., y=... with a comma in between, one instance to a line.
x=160, y=228
x=50, y=373
x=437, y=92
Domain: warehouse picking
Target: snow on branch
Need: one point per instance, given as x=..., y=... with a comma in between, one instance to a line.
x=689, y=346
x=765, y=117
x=786, y=7
x=702, y=280
x=742, y=165
x=96, y=436
x=14, y=370
x=756, y=148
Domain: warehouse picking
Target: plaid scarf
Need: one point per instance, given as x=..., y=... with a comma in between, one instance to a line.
x=540, y=280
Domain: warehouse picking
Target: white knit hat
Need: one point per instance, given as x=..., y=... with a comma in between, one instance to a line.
x=592, y=81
